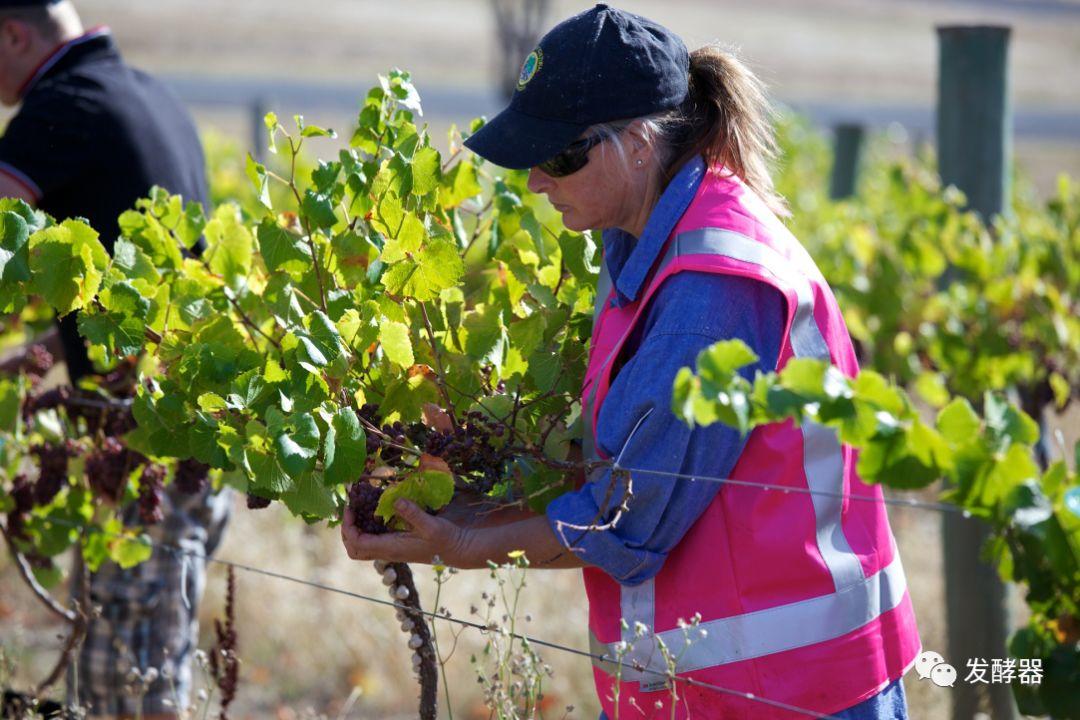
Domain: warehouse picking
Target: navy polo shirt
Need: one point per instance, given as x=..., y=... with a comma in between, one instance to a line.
x=91, y=137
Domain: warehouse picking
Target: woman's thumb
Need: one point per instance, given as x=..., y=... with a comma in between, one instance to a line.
x=413, y=514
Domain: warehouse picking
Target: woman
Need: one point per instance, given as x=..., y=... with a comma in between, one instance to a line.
x=801, y=595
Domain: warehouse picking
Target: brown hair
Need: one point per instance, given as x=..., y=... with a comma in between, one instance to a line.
x=726, y=118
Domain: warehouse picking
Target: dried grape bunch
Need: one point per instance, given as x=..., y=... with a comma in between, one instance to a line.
x=257, y=502
x=192, y=477
x=49, y=399
x=52, y=462
x=37, y=362
x=22, y=493
x=363, y=499
x=473, y=449
x=151, y=493
x=107, y=468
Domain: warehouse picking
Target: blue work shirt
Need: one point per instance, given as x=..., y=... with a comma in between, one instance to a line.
x=688, y=313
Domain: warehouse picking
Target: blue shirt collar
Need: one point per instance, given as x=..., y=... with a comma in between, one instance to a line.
x=629, y=260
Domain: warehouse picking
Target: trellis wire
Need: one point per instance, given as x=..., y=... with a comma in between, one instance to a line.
x=176, y=550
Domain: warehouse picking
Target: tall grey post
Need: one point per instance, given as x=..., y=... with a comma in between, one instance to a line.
x=974, y=129
x=847, y=156
x=259, y=135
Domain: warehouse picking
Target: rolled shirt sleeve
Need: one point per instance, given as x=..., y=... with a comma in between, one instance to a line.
x=690, y=312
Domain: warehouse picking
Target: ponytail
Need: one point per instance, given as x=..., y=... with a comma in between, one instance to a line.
x=726, y=118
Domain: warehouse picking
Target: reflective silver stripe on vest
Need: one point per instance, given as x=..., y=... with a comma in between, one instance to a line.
x=823, y=460
x=765, y=632
x=588, y=441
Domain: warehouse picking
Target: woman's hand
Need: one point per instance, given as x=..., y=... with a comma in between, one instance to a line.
x=455, y=545
x=428, y=536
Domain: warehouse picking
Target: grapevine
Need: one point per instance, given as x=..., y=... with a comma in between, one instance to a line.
x=392, y=322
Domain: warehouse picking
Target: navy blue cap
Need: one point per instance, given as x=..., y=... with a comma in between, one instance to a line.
x=602, y=65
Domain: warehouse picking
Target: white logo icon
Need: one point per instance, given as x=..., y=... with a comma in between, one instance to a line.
x=931, y=665
x=926, y=662
x=943, y=675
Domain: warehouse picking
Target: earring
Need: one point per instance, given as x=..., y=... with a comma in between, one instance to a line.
x=640, y=161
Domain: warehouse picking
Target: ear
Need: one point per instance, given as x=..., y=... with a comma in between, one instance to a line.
x=638, y=144
x=15, y=36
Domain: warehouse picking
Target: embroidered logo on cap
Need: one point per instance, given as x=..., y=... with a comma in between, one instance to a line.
x=530, y=67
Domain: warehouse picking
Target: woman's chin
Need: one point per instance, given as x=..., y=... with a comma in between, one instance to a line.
x=570, y=222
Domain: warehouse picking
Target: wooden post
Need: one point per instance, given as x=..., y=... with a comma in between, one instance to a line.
x=259, y=146
x=974, y=144
x=974, y=120
x=846, y=158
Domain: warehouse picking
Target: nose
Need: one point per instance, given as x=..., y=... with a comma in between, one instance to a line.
x=539, y=181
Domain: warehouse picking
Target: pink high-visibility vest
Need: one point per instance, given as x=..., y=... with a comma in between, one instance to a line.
x=802, y=596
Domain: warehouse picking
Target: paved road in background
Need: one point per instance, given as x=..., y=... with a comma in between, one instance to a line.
x=463, y=104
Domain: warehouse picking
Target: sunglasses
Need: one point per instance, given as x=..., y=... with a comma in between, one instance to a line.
x=571, y=159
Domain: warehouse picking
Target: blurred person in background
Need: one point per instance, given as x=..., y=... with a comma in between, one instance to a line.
x=801, y=596
x=91, y=136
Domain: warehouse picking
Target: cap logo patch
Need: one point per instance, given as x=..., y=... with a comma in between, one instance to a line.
x=530, y=67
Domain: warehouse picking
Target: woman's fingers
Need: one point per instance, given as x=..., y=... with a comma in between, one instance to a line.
x=428, y=536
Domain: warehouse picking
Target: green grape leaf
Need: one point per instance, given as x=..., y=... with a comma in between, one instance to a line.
x=133, y=263
x=436, y=268
x=120, y=335
x=430, y=489
x=720, y=361
x=394, y=338
x=129, y=550
x=459, y=184
x=931, y=388
x=230, y=245
x=266, y=472
x=871, y=387
x=319, y=210
x=191, y=225
x=404, y=240
x=345, y=451
x=256, y=172
x=281, y=249
x=297, y=444
x=67, y=262
x=958, y=422
x=425, y=170
x=14, y=248
x=310, y=497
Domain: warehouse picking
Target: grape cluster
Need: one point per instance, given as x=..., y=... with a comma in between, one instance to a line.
x=46, y=400
x=107, y=468
x=52, y=462
x=151, y=491
x=257, y=502
x=118, y=421
x=363, y=499
x=192, y=477
x=37, y=362
x=22, y=493
x=472, y=449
